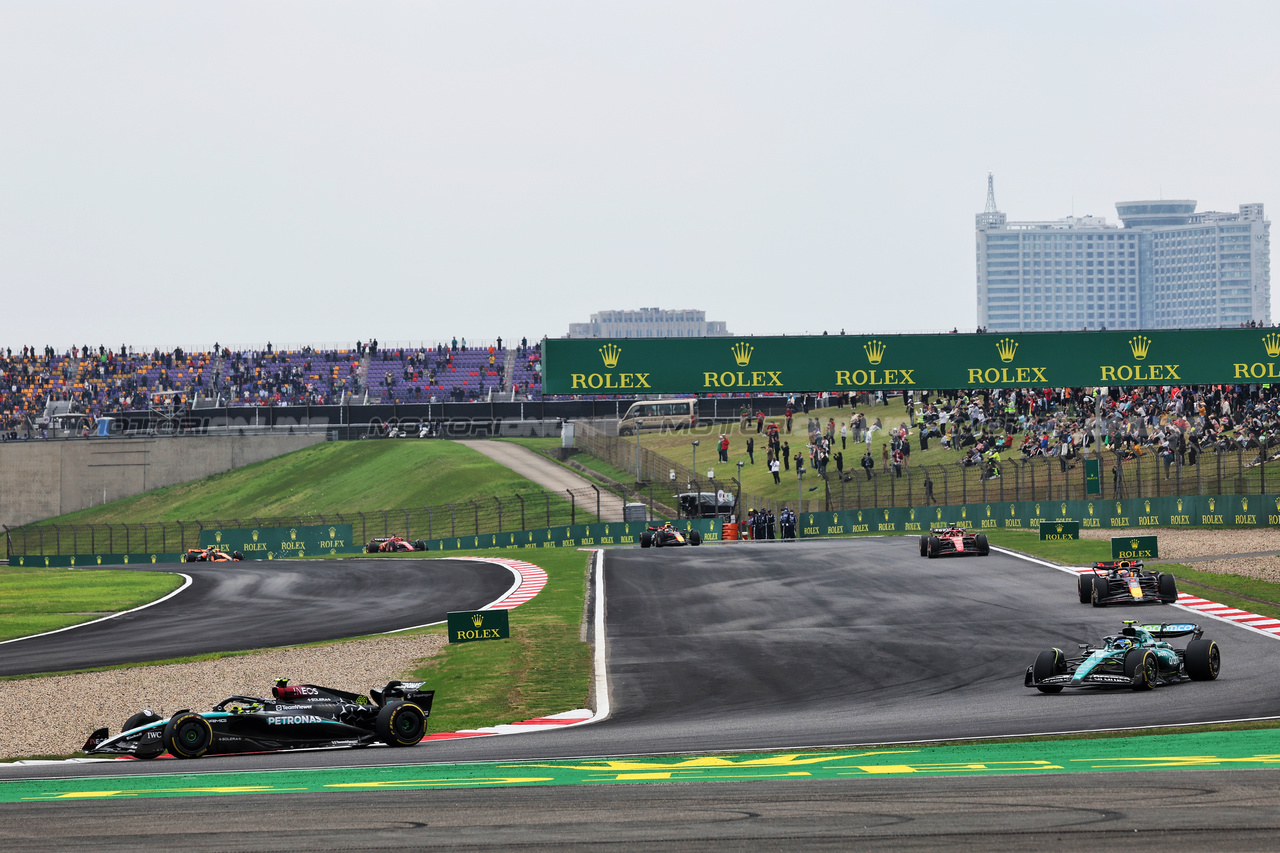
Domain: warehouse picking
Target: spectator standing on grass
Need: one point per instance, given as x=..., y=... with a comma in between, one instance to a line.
x=773, y=469
x=868, y=463
x=928, y=490
x=786, y=456
x=844, y=436
x=724, y=447
x=751, y=449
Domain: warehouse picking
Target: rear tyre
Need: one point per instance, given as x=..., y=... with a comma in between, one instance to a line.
x=401, y=724
x=695, y=537
x=1084, y=585
x=646, y=539
x=984, y=548
x=1142, y=666
x=1168, y=587
x=1203, y=660
x=187, y=735
x=1099, y=592
x=934, y=545
x=1048, y=663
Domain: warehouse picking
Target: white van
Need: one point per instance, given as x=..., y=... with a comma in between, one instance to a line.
x=659, y=415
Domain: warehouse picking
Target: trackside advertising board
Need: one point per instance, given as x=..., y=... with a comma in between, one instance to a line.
x=900, y=362
x=467, y=626
x=1134, y=548
x=1050, y=530
x=274, y=543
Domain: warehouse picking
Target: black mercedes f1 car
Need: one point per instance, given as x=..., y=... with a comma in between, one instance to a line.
x=1126, y=582
x=300, y=716
x=951, y=540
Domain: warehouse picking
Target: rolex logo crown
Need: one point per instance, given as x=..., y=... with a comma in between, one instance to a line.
x=1133, y=543
x=1272, y=343
x=742, y=353
x=476, y=619
x=1140, y=345
x=1007, y=347
x=610, y=354
x=875, y=351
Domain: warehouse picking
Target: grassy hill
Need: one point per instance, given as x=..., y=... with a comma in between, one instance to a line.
x=346, y=477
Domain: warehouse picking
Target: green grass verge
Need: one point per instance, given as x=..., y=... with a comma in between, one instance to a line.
x=335, y=477
x=544, y=668
x=35, y=600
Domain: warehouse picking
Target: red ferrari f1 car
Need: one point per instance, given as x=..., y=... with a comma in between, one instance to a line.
x=393, y=544
x=953, y=539
x=211, y=555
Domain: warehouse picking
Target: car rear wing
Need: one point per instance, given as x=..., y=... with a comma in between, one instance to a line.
x=1108, y=565
x=1165, y=630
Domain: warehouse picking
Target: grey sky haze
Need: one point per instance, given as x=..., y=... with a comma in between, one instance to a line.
x=319, y=172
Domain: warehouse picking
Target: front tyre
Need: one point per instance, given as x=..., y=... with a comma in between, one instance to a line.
x=924, y=546
x=1084, y=586
x=1048, y=663
x=1143, y=668
x=401, y=724
x=984, y=548
x=935, y=545
x=1100, y=591
x=1203, y=660
x=695, y=537
x=646, y=539
x=1168, y=588
x=187, y=735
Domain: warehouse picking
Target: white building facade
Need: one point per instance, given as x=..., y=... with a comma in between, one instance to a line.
x=649, y=323
x=1168, y=267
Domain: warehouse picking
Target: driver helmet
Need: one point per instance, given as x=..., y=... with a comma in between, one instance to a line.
x=1124, y=573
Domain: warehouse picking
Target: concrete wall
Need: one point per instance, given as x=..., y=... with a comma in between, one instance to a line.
x=42, y=479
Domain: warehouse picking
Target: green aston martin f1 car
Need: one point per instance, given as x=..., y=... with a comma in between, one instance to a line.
x=1138, y=658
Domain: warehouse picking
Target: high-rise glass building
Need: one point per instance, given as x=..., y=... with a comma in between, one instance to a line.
x=1167, y=267
x=649, y=323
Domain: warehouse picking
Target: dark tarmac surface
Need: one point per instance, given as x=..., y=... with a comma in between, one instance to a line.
x=254, y=605
x=790, y=646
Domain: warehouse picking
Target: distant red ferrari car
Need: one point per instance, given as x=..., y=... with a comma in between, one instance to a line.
x=211, y=555
x=953, y=539
x=392, y=544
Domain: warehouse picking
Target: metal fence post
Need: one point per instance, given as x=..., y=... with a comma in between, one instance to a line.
x=573, y=508
x=497, y=501
x=475, y=508
x=520, y=498
x=453, y=521
x=597, y=491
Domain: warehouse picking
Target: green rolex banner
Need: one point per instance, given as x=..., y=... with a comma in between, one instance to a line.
x=1134, y=548
x=774, y=364
x=1050, y=530
x=274, y=543
x=1092, y=478
x=466, y=626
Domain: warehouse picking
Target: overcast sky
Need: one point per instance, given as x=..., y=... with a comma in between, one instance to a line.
x=319, y=172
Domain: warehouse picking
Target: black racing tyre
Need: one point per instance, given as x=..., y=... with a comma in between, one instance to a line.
x=659, y=539
x=371, y=548
x=419, y=544
x=695, y=537
x=934, y=545
x=1100, y=590
x=984, y=548
x=190, y=558
x=924, y=546
x=646, y=539
x=187, y=735
x=1203, y=660
x=1168, y=588
x=1084, y=584
x=1143, y=667
x=1049, y=662
x=401, y=724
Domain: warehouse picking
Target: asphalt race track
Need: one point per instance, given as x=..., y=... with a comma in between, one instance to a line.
x=253, y=605
x=780, y=646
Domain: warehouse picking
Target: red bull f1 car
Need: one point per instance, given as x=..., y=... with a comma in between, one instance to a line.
x=211, y=555
x=1138, y=657
x=667, y=536
x=393, y=544
x=951, y=540
x=301, y=716
x=1126, y=582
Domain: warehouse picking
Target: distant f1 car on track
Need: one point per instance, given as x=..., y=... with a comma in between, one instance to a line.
x=297, y=717
x=392, y=544
x=211, y=555
x=666, y=536
x=1126, y=582
x=953, y=539
x=1138, y=658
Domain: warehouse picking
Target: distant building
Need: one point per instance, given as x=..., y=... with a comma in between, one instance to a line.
x=649, y=323
x=1168, y=267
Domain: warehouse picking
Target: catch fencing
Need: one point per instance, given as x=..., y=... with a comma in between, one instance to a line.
x=514, y=512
